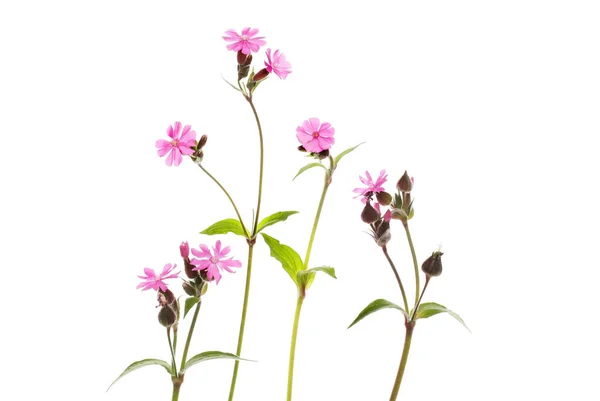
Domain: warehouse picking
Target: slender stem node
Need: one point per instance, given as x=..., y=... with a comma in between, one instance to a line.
x=385, y=252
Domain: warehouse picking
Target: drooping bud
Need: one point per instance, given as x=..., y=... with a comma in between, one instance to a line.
x=369, y=214
x=383, y=198
x=433, y=265
x=184, y=250
x=405, y=183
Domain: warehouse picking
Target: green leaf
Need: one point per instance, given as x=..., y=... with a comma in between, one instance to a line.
x=141, y=364
x=274, y=218
x=376, y=305
x=344, y=153
x=309, y=166
x=189, y=303
x=208, y=355
x=224, y=227
x=230, y=84
x=306, y=277
x=289, y=259
x=428, y=309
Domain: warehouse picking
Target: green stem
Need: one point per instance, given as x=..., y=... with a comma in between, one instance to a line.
x=242, y=321
x=176, y=387
x=262, y=159
x=427, y=278
x=415, y=263
x=410, y=326
x=228, y=197
x=317, y=216
x=385, y=252
x=189, y=337
x=173, y=365
x=293, y=346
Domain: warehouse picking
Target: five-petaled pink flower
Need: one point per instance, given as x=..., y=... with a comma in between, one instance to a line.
x=372, y=187
x=246, y=43
x=213, y=261
x=278, y=64
x=314, y=136
x=180, y=144
x=153, y=281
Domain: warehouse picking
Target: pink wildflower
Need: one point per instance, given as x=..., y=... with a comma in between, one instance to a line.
x=246, y=43
x=314, y=136
x=214, y=261
x=372, y=187
x=178, y=145
x=278, y=64
x=153, y=281
x=184, y=250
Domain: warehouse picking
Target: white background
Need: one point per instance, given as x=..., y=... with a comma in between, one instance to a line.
x=491, y=106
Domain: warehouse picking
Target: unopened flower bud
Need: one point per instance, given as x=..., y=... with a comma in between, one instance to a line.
x=405, y=183
x=167, y=296
x=184, y=250
x=324, y=154
x=301, y=148
x=262, y=74
x=381, y=233
x=189, y=289
x=167, y=316
x=383, y=198
x=369, y=214
x=202, y=141
x=433, y=265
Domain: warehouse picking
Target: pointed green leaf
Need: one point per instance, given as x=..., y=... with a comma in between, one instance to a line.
x=307, y=276
x=274, y=218
x=376, y=305
x=189, y=303
x=208, y=355
x=230, y=84
x=289, y=259
x=141, y=364
x=308, y=166
x=224, y=227
x=344, y=153
x=429, y=309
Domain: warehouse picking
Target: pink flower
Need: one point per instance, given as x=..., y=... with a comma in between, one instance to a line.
x=246, y=43
x=314, y=136
x=372, y=187
x=212, y=262
x=151, y=280
x=278, y=64
x=178, y=145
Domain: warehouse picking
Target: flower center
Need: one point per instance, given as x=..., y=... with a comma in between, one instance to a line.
x=316, y=134
x=214, y=260
x=174, y=143
x=244, y=38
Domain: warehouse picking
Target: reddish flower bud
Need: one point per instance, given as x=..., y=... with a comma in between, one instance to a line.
x=369, y=214
x=433, y=265
x=405, y=183
x=167, y=316
x=383, y=198
x=189, y=269
x=202, y=141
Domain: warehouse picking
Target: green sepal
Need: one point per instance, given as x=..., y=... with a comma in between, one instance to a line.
x=189, y=303
x=308, y=166
x=289, y=259
x=224, y=227
x=306, y=277
x=428, y=309
x=344, y=153
x=376, y=305
x=140, y=364
x=274, y=218
x=208, y=355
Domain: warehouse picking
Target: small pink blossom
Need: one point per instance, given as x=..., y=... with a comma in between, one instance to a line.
x=180, y=144
x=387, y=216
x=246, y=43
x=278, y=64
x=214, y=261
x=314, y=136
x=153, y=281
x=371, y=187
